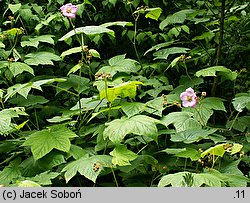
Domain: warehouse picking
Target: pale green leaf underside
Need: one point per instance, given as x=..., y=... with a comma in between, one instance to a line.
x=41, y=58
x=164, y=53
x=89, y=30
x=34, y=42
x=241, y=102
x=177, y=180
x=211, y=71
x=117, y=23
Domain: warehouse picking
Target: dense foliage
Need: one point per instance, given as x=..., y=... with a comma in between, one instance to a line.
x=125, y=93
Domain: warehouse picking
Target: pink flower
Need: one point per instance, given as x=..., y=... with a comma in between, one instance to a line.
x=189, y=98
x=69, y=10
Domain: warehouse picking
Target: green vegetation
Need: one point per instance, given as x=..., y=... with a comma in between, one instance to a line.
x=125, y=93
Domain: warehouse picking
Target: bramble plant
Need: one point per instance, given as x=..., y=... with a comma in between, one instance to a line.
x=154, y=95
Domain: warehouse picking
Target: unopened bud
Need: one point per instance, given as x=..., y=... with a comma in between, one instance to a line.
x=204, y=94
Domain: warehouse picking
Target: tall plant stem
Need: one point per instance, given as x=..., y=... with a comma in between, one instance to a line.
x=232, y=125
x=185, y=66
x=219, y=49
x=116, y=183
x=134, y=38
x=106, y=94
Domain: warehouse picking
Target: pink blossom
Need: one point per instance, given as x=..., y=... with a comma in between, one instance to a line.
x=69, y=10
x=189, y=98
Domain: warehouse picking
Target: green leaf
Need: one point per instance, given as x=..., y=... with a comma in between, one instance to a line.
x=72, y=51
x=126, y=89
x=24, y=89
x=132, y=108
x=153, y=13
x=49, y=161
x=208, y=36
x=59, y=119
x=10, y=173
x=217, y=150
x=14, y=7
x=159, y=46
x=214, y=103
x=89, y=167
x=177, y=180
x=88, y=30
x=30, y=101
x=211, y=71
x=2, y=45
x=54, y=137
x=119, y=64
x=17, y=68
x=122, y=156
x=116, y=59
x=192, y=135
x=241, y=101
x=43, y=58
x=173, y=150
x=181, y=120
x=155, y=106
x=191, y=153
x=89, y=104
x=117, y=23
x=139, y=125
x=164, y=53
x=34, y=42
x=75, y=68
x=27, y=183
x=232, y=174
x=94, y=53
x=80, y=84
x=176, y=18
x=241, y=123
x=141, y=160
x=77, y=152
x=6, y=115
x=236, y=148
x=204, y=110
x=207, y=179
x=44, y=178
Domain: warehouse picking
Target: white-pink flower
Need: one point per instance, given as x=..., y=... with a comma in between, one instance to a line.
x=69, y=10
x=189, y=98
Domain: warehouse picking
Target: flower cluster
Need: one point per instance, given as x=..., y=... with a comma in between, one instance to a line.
x=69, y=10
x=189, y=98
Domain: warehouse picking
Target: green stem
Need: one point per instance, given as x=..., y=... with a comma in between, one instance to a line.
x=202, y=121
x=234, y=121
x=106, y=94
x=37, y=123
x=214, y=160
x=63, y=89
x=8, y=159
x=142, y=149
x=185, y=165
x=134, y=38
x=116, y=183
x=185, y=66
x=219, y=49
